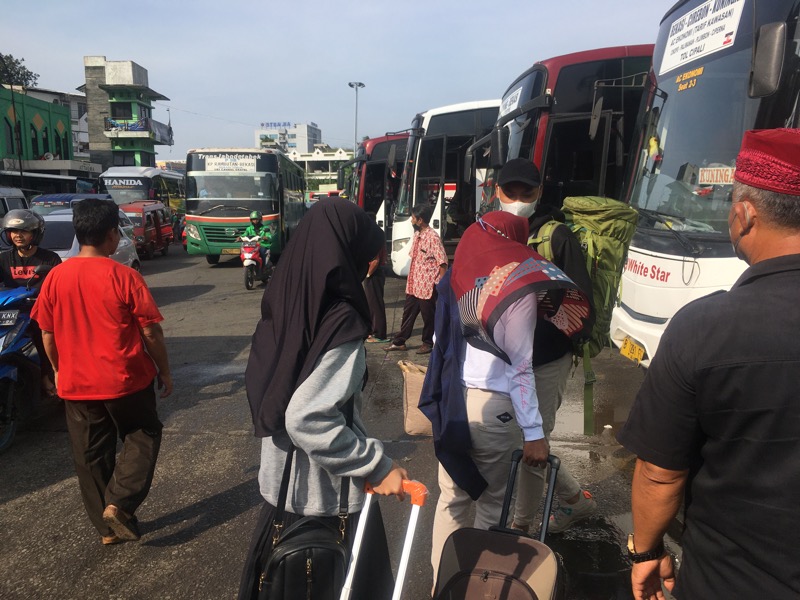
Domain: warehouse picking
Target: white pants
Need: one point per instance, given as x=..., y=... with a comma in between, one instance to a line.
x=493, y=442
x=551, y=381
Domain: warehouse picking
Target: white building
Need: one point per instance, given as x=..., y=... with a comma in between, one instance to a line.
x=288, y=136
x=322, y=164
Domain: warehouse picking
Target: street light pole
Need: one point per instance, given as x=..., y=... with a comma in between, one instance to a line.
x=355, y=85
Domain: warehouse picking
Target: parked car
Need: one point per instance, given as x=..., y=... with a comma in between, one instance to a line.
x=152, y=227
x=59, y=236
x=47, y=203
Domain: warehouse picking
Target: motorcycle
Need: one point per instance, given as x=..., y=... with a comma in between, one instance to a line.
x=20, y=372
x=254, y=267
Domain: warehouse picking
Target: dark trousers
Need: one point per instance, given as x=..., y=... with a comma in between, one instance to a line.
x=373, y=578
x=411, y=309
x=373, y=288
x=104, y=478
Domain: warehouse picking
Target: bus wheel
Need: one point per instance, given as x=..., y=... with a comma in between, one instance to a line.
x=249, y=277
x=212, y=259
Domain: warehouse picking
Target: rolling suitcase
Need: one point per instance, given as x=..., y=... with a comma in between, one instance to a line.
x=418, y=493
x=502, y=563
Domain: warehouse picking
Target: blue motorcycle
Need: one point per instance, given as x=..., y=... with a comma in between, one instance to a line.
x=20, y=372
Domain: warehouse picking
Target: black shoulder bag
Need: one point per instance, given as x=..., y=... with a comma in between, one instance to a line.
x=309, y=559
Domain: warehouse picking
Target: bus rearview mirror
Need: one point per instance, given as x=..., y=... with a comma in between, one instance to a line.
x=768, y=60
x=498, y=148
x=392, y=156
x=340, y=179
x=594, y=122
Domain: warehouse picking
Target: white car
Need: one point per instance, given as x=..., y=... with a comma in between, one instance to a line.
x=59, y=236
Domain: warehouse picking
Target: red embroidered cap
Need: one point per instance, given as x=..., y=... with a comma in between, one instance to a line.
x=770, y=160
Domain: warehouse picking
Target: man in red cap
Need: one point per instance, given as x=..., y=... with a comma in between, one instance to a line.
x=716, y=424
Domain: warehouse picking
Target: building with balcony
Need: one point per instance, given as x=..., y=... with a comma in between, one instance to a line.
x=288, y=136
x=36, y=145
x=122, y=131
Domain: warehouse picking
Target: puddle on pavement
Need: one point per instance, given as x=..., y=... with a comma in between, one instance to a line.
x=596, y=566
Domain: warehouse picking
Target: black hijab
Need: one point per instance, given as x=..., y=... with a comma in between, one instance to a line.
x=314, y=302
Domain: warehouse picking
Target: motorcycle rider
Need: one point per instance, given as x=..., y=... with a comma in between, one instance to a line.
x=23, y=230
x=258, y=228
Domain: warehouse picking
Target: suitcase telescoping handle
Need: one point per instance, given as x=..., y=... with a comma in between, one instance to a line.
x=418, y=493
x=555, y=464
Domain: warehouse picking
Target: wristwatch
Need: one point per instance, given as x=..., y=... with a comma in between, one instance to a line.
x=640, y=557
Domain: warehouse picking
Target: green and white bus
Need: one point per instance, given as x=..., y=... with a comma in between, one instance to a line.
x=224, y=185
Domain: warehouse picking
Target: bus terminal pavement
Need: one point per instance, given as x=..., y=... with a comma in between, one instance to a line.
x=197, y=521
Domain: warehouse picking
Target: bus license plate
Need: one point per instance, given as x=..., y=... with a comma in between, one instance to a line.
x=8, y=317
x=631, y=350
x=230, y=251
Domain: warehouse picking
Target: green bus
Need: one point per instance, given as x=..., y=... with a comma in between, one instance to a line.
x=224, y=185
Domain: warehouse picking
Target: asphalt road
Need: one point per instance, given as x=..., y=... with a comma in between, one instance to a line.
x=200, y=513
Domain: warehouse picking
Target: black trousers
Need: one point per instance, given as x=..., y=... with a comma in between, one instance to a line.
x=373, y=288
x=373, y=577
x=411, y=309
x=104, y=478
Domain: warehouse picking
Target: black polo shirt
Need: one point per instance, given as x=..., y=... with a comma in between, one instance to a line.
x=722, y=398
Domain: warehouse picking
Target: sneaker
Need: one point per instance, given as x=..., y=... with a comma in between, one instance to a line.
x=424, y=349
x=395, y=347
x=372, y=340
x=567, y=514
x=122, y=524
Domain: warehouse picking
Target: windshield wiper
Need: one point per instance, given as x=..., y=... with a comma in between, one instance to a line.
x=684, y=241
x=208, y=210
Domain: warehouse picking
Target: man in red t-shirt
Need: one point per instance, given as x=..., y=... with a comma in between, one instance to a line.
x=100, y=328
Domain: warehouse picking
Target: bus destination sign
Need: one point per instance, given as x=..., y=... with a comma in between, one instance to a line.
x=230, y=162
x=709, y=28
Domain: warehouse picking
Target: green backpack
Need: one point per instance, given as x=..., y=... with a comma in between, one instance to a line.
x=604, y=228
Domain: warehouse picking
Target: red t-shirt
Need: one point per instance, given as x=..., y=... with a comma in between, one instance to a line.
x=96, y=308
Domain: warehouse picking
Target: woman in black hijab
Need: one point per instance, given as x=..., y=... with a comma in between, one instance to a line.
x=307, y=361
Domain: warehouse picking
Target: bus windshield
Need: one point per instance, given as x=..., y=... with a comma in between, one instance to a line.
x=230, y=185
x=129, y=189
x=404, y=200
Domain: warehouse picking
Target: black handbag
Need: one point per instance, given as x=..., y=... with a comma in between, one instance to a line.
x=309, y=559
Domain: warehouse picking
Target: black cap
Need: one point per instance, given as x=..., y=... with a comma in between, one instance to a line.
x=520, y=170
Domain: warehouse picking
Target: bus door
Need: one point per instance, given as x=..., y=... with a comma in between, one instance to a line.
x=430, y=177
x=575, y=164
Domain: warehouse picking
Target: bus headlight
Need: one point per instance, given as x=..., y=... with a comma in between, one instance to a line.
x=191, y=231
x=398, y=245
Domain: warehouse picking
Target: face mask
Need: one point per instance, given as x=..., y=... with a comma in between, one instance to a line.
x=521, y=209
x=415, y=226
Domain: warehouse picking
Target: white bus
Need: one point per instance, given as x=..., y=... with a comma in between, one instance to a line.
x=132, y=184
x=434, y=173
x=719, y=69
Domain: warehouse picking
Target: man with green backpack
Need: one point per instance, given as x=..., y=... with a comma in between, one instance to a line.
x=587, y=240
x=519, y=189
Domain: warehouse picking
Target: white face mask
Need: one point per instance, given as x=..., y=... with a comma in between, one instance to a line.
x=521, y=209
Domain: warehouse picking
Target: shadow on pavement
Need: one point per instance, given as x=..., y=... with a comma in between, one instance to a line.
x=205, y=514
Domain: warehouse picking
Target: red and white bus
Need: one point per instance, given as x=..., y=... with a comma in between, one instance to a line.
x=573, y=116
x=374, y=182
x=719, y=69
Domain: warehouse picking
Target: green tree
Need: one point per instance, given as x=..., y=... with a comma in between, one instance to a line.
x=13, y=72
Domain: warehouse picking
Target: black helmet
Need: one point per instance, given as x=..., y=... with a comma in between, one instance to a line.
x=26, y=220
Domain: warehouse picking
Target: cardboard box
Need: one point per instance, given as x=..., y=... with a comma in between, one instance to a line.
x=414, y=422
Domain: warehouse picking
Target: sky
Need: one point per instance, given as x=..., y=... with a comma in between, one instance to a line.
x=228, y=66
